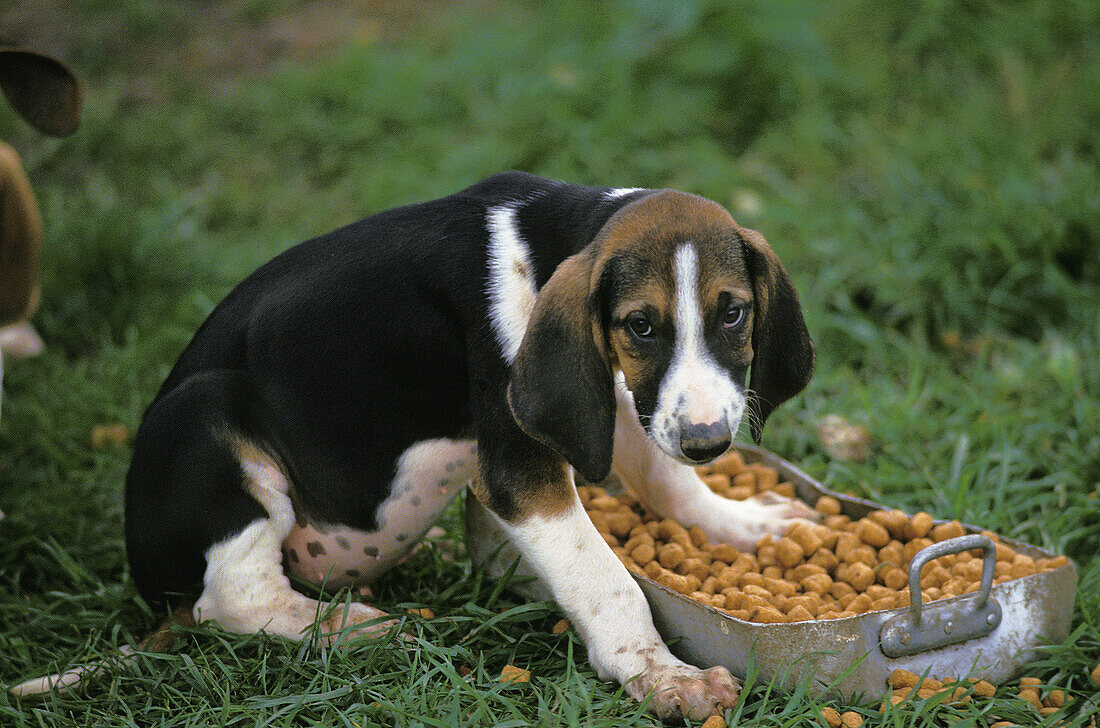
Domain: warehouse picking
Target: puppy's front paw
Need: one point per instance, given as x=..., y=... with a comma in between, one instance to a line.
x=743, y=523
x=781, y=509
x=682, y=691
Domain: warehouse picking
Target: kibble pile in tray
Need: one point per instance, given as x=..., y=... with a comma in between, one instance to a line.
x=839, y=568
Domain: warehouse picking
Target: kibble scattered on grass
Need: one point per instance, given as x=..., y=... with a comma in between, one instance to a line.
x=1031, y=691
x=907, y=686
x=562, y=625
x=114, y=435
x=841, y=568
x=851, y=719
x=513, y=674
x=831, y=717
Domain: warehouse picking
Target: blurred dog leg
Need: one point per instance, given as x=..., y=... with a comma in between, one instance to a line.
x=20, y=341
x=20, y=240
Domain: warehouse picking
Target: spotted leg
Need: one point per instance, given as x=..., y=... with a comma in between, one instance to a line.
x=428, y=476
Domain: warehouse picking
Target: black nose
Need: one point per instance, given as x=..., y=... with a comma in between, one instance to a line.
x=703, y=443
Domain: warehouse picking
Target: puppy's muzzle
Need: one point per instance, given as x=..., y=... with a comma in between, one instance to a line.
x=704, y=442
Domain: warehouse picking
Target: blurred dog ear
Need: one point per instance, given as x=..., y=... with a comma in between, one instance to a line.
x=783, y=354
x=561, y=391
x=42, y=90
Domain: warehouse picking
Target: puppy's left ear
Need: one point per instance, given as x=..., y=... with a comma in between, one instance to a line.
x=783, y=354
x=561, y=392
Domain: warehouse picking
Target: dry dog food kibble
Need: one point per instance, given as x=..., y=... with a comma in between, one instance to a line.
x=907, y=686
x=839, y=568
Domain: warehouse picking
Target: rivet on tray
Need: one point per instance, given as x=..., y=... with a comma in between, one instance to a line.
x=991, y=618
x=948, y=627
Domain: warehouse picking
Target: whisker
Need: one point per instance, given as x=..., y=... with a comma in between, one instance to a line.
x=751, y=413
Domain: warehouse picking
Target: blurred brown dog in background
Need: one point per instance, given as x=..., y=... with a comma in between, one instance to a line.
x=47, y=94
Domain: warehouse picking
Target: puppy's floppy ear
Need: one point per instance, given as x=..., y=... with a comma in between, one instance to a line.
x=783, y=354
x=42, y=89
x=561, y=392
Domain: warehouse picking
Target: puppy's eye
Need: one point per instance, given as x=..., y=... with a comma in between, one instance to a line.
x=640, y=326
x=734, y=317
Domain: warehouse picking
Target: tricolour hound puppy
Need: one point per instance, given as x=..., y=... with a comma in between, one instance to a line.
x=336, y=401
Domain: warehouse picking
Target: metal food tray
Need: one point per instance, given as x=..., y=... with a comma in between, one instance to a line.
x=990, y=634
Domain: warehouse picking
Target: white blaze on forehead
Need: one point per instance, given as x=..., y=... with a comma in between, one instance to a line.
x=695, y=389
x=512, y=290
x=687, y=314
x=693, y=373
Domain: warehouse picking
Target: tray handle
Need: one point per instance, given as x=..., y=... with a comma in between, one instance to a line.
x=923, y=628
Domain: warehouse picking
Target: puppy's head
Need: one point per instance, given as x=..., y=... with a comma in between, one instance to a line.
x=686, y=304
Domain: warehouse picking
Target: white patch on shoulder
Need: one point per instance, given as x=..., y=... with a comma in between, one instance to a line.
x=512, y=291
x=622, y=192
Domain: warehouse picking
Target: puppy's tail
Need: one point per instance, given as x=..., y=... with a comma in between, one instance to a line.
x=159, y=640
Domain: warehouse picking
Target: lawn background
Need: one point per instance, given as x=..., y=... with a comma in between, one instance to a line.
x=928, y=172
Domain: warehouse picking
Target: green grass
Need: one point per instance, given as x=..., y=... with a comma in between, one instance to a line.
x=927, y=172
